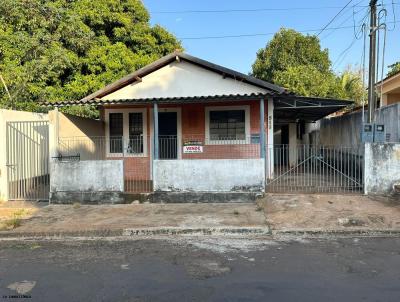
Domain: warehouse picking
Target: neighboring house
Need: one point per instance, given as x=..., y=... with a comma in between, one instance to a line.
x=390, y=88
x=180, y=124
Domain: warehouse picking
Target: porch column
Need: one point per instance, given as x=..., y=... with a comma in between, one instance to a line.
x=262, y=129
x=270, y=138
x=155, y=117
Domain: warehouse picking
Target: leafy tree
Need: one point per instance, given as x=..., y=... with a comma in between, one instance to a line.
x=394, y=68
x=351, y=83
x=289, y=48
x=66, y=49
x=297, y=62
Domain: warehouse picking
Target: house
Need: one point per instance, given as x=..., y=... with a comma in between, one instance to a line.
x=390, y=89
x=181, y=126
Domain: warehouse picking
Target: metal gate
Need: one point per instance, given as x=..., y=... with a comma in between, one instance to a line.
x=28, y=160
x=316, y=169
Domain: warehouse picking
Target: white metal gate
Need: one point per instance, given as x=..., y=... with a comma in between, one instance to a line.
x=317, y=169
x=28, y=160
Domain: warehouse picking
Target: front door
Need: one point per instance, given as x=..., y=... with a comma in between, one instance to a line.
x=168, y=135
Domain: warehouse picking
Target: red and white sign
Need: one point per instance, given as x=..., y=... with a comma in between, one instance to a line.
x=192, y=149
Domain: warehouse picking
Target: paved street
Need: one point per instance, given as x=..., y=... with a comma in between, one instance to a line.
x=202, y=269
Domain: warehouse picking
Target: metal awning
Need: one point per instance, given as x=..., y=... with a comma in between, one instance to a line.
x=309, y=109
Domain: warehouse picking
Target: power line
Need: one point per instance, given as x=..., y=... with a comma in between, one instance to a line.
x=250, y=10
x=266, y=34
x=333, y=19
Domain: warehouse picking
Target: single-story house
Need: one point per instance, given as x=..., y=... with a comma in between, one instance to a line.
x=179, y=125
x=390, y=89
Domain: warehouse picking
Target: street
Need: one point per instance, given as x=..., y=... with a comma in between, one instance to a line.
x=201, y=269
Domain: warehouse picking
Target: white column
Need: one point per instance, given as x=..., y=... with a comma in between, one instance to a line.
x=270, y=138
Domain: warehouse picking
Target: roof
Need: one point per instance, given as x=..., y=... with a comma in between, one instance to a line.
x=309, y=109
x=287, y=107
x=166, y=100
x=135, y=76
x=388, y=78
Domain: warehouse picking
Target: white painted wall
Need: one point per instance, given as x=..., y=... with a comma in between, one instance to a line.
x=11, y=116
x=214, y=175
x=183, y=79
x=382, y=168
x=87, y=176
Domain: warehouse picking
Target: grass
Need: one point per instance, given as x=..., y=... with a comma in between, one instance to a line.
x=236, y=212
x=13, y=222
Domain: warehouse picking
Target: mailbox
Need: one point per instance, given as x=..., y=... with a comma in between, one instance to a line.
x=367, y=133
x=379, y=133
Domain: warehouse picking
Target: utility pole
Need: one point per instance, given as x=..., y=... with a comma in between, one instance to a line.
x=372, y=62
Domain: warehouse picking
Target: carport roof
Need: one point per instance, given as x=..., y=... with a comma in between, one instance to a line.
x=310, y=109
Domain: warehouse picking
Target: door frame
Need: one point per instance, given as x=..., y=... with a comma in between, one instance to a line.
x=178, y=111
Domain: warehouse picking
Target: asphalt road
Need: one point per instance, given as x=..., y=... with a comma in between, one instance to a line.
x=201, y=270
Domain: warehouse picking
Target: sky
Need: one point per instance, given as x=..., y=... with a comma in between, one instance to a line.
x=239, y=53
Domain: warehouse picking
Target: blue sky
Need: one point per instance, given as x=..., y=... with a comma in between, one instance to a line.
x=240, y=53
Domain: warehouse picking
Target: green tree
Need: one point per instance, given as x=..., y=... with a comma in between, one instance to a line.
x=66, y=49
x=298, y=63
x=393, y=69
x=351, y=84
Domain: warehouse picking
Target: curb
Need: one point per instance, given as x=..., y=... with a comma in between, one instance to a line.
x=138, y=232
x=156, y=231
x=352, y=232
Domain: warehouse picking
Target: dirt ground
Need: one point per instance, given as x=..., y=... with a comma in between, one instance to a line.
x=329, y=212
x=71, y=218
x=280, y=212
x=13, y=213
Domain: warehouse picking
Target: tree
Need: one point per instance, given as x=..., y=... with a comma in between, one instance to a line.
x=298, y=63
x=394, y=68
x=351, y=83
x=64, y=50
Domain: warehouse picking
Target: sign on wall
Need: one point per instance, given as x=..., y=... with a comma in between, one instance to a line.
x=193, y=147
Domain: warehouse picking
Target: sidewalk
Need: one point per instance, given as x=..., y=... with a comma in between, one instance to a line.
x=279, y=214
x=297, y=213
x=141, y=219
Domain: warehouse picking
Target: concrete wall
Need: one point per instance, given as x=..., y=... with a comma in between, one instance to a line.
x=218, y=175
x=345, y=130
x=11, y=116
x=382, y=168
x=94, y=178
x=76, y=135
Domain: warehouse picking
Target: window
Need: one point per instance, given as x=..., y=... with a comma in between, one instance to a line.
x=126, y=132
x=116, y=132
x=227, y=124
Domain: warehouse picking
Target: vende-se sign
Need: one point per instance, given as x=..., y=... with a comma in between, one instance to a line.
x=192, y=149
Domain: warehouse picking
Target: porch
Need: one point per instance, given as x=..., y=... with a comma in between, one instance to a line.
x=210, y=147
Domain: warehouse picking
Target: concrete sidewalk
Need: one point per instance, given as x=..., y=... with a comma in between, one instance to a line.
x=142, y=219
x=314, y=213
x=275, y=214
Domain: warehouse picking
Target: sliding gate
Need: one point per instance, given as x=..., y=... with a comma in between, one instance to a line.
x=27, y=160
x=316, y=169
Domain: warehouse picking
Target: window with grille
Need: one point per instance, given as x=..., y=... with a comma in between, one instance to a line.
x=116, y=132
x=227, y=125
x=135, y=132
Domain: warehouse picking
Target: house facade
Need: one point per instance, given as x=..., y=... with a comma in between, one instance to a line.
x=179, y=126
x=390, y=90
